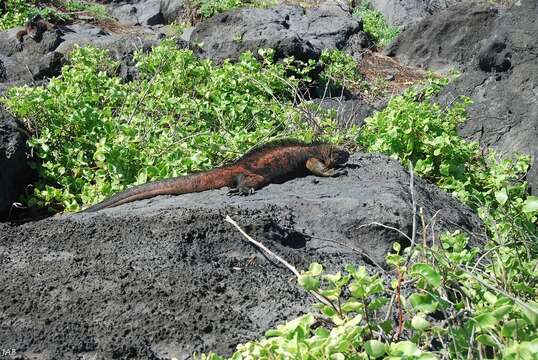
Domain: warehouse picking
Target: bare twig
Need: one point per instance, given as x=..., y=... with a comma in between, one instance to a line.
x=414, y=204
x=278, y=258
x=361, y=252
x=399, y=329
x=387, y=227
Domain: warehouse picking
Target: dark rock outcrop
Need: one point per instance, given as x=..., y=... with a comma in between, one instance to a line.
x=39, y=60
x=447, y=39
x=167, y=276
x=407, y=12
x=15, y=173
x=35, y=61
x=502, y=80
x=290, y=30
x=137, y=12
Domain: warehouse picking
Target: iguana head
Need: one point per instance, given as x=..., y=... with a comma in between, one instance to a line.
x=340, y=156
x=334, y=156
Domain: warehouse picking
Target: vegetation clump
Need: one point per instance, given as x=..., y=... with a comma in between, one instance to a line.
x=375, y=24
x=17, y=12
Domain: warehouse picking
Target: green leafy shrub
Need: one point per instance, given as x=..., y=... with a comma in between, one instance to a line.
x=340, y=71
x=456, y=310
x=414, y=129
x=99, y=11
x=20, y=11
x=374, y=23
x=209, y=8
x=94, y=134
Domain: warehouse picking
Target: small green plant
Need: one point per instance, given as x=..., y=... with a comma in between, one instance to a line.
x=209, y=8
x=20, y=11
x=414, y=129
x=17, y=13
x=455, y=310
x=340, y=71
x=99, y=11
x=374, y=23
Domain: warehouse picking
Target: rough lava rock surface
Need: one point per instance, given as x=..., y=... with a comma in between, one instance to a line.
x=406, y=12
x=447, y=39
x=502, y=80
x=137, y=12
x=290, y=30
x=14, y=170
x=39, y=60
x=167, y=276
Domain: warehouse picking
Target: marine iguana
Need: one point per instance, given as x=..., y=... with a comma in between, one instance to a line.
x=34, y=29
x=271, y=163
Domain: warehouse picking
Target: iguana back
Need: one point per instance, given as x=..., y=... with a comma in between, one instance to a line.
x=272, y=163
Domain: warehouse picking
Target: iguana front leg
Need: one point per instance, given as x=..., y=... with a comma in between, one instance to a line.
x=246, y=184
x=317, y=167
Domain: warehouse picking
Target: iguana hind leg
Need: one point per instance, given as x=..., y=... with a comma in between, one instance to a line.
x=246, y=184
x=317, y=167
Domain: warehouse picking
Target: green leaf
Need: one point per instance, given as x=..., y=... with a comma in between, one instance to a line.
x=428, y=272
x=424, y=303
x=531, y=204
x=485, y=321
x=419, y=323
x=377, y=303
x=404, y=348
x=490, y=297
x=337, y=356
x=315, y=269
x=352, y=305
x=374, y=348
x=510, y=327
x=501, y=196
x=331, y=294
x=530, y=311
x=501, y=311
x=309, y=282
x=486, y=340
x=333, y=278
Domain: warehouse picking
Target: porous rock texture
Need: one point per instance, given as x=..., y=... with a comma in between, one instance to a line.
x=288, y=29
x=14, y=170
x=495, y=48
x=149, y=12
x=406, y=12
x=447, y=39
x=163, y=277
x=37, y=60
x=137, y=12
x=502, y=81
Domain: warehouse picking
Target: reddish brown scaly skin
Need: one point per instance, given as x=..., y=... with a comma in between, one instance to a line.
x=272, y=163
x=34, y=29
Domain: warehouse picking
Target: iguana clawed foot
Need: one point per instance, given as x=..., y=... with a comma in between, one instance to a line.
x=241, y=191
x=340, y=172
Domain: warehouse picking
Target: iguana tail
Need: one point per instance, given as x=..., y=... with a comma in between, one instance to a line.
x=208, y=180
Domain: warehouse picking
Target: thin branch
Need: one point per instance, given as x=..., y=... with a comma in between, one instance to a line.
x=278, y=258
x=414, y=204
x=387, y=227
